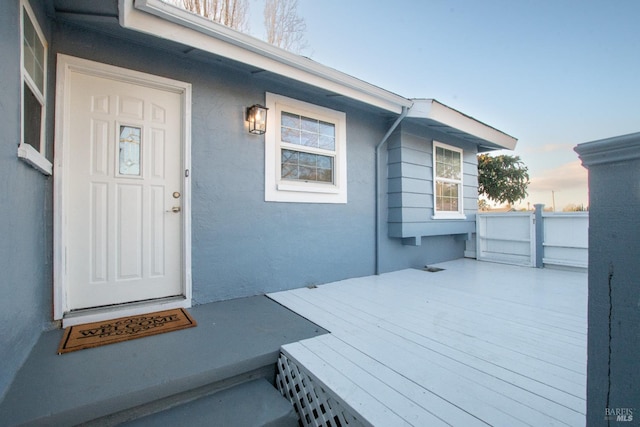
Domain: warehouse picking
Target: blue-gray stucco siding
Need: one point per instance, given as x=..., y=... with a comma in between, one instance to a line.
x=241, y=245
x=25, y=215
x=614, y=291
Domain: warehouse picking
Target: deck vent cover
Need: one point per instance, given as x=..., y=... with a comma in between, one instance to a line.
x=432, y=269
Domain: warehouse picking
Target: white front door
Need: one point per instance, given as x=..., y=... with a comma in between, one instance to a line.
x=123, y=191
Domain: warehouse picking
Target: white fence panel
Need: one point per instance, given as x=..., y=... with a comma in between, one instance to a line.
x=566, y=239
x=506, y=237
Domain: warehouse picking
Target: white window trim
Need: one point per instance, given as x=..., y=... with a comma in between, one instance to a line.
x=449, y=214
x=279, y=190
x=29, y=154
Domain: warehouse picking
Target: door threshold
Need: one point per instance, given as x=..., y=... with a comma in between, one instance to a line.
x=88, y=315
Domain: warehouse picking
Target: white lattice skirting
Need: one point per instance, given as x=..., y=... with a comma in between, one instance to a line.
x=313, y=404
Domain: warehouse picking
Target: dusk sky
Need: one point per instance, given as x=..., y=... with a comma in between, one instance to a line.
x=551, y=73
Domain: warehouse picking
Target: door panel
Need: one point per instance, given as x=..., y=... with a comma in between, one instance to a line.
x=123, y=163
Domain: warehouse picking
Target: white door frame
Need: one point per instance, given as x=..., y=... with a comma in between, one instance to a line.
x=66, y=65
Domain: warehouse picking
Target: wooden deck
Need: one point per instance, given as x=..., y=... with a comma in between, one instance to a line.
x=475, y=344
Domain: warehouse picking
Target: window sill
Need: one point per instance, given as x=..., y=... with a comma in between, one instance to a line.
x=449, y=215
x=28, y=154
x=306, y=194
x=309, y=188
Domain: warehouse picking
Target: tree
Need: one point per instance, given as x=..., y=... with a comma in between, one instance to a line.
x=232, y=13
x=502, y=178
x=483, y=205
x=285, y=28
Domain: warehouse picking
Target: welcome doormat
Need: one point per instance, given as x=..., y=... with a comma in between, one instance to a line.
x=95, y=334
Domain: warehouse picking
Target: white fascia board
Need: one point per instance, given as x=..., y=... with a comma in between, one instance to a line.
x=168, y=22
x=434, y=110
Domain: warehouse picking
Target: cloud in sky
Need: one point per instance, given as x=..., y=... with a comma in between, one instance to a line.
x=568, y=176
x=560, y=186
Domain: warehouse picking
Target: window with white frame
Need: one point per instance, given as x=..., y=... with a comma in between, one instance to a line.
x=447, y=182
x=305, y=154
x=33, y=91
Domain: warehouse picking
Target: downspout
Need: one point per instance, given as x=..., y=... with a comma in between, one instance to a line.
x=405, y=111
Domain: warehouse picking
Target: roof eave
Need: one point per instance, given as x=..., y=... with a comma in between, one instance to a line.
x=162, y=20
x=471, y=129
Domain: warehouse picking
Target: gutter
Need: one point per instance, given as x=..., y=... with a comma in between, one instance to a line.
x=405, y=111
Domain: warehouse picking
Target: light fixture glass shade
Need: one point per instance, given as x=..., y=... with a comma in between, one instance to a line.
x=257, y=118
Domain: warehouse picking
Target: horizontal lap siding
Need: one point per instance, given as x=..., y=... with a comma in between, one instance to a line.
x=410, y=183
x=470, y=181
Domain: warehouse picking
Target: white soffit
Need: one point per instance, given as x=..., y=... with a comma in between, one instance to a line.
x=449, y=117
x=162, y=20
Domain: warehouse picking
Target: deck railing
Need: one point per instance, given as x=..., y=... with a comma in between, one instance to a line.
x=534, y=239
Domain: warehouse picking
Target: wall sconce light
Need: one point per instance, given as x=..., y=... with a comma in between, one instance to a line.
x=257, y=118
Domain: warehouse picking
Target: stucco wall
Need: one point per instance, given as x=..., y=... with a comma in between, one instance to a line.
x=25, y=216
x=243, y=245
x=614, y=272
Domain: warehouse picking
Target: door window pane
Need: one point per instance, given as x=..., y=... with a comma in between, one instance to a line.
x=129, y=158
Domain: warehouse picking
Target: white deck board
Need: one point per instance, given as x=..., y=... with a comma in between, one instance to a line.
x=476, y=344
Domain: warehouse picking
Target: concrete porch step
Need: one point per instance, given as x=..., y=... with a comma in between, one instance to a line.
x=252, y=404
x=235, y=342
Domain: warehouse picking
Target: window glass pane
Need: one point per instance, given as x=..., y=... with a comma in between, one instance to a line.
x=289, y=171
x=38, y=51
x=129, y=159
x=447, y=197
x=31, y=118
x=455, y=170
x=454, y=204
x=325, y=162
x=307, y=174
x=310, y=125
x=327, y=142
x=290, y=120
x=29, y=32
x=306, y=166
x=439, y=169
x=289, y=162
x=28, y=59
x=308, y=132
x=309, y=139
x=289, y=156
x=325, y=175
x=307, y=159
x=33, y=53
x=448, y=164
x=328, y=129
x=291, y=136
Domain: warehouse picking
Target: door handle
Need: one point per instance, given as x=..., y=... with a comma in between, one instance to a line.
x=175, y=209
